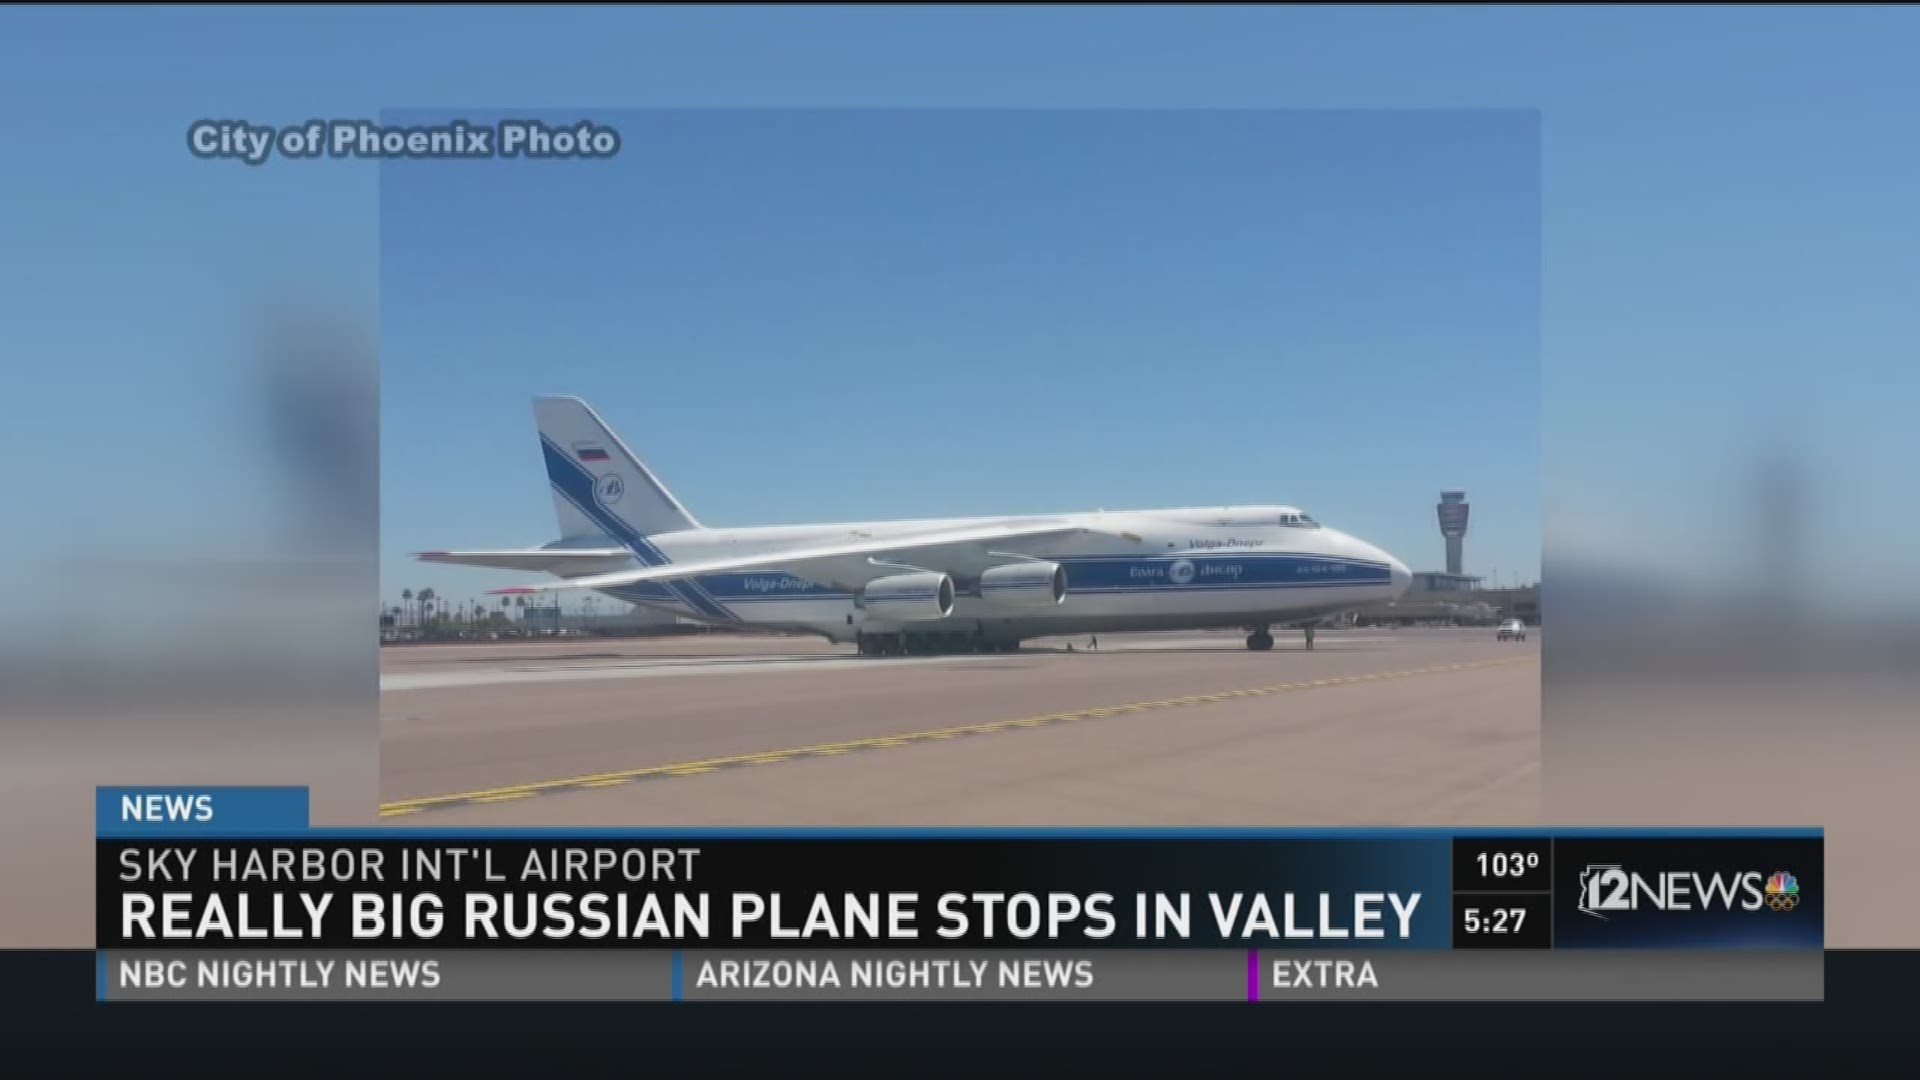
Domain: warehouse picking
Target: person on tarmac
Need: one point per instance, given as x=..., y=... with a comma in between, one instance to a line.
x=1093, y=643
x=1309, y=638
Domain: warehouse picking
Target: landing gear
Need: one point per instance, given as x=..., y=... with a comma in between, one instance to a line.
x=929, y=643
x=882, y=644
x=1260, y=640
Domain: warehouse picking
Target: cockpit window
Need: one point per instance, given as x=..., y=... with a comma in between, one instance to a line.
x=1295, y=519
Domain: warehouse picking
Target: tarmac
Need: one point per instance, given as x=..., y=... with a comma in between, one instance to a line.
x=1436, y=727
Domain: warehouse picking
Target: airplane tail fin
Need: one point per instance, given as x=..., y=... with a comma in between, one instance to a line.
x=600, y=490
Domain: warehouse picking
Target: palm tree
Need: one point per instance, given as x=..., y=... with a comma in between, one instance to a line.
x=407, y=595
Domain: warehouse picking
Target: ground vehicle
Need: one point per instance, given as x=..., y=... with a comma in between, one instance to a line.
x=1511, y=630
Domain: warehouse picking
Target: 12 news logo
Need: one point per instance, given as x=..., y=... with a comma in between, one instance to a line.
x=1608, y=887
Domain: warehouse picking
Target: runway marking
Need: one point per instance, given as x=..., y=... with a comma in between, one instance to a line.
x=878, y=742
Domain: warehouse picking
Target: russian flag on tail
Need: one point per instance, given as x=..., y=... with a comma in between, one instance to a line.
x=589, y=452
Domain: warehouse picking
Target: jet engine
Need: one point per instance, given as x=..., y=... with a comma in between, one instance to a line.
x=1026, y=584
x=909, y=597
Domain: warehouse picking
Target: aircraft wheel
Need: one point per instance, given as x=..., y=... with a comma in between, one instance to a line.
x=1260, y=641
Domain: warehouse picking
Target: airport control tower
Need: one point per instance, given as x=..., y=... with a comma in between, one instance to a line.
x=1453, y=525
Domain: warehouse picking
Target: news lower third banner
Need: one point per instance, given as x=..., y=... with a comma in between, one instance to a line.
x=227, y=894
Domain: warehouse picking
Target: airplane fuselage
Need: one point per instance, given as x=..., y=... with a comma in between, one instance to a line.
x=955, y=584
x=1143, y=570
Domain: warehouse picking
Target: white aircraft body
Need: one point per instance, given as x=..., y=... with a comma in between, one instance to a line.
x=926, y=586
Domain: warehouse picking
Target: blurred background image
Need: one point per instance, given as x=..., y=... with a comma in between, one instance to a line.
x=1728, y=264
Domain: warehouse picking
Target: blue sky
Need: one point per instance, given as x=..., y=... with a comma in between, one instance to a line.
x=1727, y=251
x=800, y=315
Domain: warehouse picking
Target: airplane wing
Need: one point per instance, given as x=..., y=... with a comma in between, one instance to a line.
x=566, y=562
x=843, y=563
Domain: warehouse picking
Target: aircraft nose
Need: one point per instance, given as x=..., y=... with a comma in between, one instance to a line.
x=1402, y=577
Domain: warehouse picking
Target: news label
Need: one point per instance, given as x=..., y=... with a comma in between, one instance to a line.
x=228, y=894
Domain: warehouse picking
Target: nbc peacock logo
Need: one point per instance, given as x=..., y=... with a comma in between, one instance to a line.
x=1783, y=891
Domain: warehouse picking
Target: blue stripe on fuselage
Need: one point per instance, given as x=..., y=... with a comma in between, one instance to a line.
x=1086, y=574
x=1184, y=571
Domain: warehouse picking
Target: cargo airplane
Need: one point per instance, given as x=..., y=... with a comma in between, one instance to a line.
x=932, y=586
